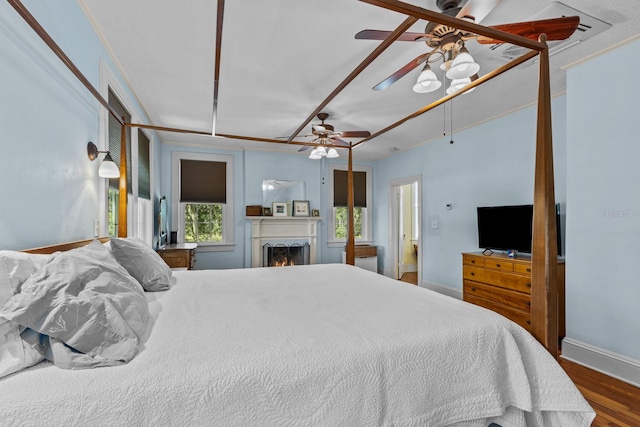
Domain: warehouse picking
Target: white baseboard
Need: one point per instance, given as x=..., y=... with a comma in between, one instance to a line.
x=611, y=364
x=442, y=289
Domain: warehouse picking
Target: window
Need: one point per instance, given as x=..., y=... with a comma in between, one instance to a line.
x=144, y=226
x=201, y=210
x=114, y=135
x=338, y=222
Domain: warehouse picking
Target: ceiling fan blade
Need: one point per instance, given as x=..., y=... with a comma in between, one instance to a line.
x=381, y=35
x=401, y=72
x=304, y=148
x=355, y=134
x=477, y=9
x=555, y=29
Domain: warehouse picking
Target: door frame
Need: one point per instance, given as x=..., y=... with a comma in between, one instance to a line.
x=394, y=224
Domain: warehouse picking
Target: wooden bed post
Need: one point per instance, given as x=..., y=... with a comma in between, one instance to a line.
x=350, y=249
x=122, y=201
x=544, y=278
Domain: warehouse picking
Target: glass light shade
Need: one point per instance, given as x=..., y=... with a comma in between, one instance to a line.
x=463, y=66
x=427, y=81
x=332, y=153
x=314, y=154
x=321, y=151
x=458, y=84
x=108, y=168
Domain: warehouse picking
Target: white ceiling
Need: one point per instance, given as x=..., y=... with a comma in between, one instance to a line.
x=281, y=58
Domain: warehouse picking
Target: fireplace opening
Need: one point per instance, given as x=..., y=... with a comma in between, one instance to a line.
x=285, y=255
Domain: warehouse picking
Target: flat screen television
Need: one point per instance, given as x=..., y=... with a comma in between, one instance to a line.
x=509, y=227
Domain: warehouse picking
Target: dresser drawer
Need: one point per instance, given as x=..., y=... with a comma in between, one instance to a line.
x=520, y=317
x=507, y=297
x=502, y=279
x=476, y=260
x=498, y=264
x=522, y=268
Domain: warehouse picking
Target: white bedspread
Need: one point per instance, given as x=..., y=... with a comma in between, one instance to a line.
x=322, y=345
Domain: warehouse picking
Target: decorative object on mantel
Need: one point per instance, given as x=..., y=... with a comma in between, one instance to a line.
x=279, y=209
x=300, y=208
x=266, y=211
x=254, y=210
x=315, y=212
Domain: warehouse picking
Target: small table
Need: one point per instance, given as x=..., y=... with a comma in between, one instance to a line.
x=179, y=255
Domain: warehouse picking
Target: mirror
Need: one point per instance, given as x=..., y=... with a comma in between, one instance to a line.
x=276, y=190
x=163, y=228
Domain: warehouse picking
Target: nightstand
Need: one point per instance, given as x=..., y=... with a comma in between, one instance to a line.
x=180, y=255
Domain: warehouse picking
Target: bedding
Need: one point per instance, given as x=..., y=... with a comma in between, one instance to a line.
x=142, y=262
x=81, y=309
x=330, y=345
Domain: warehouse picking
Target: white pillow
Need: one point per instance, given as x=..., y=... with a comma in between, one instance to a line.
x=15, y=269
x=142, y=262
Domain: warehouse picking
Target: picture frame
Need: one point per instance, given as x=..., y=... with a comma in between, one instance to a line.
x=300, y=208
x=266, y=211
x=315, y=212
x=279, y=209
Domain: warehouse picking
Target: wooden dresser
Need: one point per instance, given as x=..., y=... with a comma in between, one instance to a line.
x=503, y=284
x=180, y=255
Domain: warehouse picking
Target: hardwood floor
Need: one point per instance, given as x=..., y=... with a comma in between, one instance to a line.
x=616, y=403
x=411, y=277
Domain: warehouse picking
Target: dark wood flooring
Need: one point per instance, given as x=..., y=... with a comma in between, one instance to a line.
x=616, y=402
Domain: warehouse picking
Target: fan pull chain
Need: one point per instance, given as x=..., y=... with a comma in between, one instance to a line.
x=451, y=141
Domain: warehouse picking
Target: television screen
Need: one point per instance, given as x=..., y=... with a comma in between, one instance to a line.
x=508, y=227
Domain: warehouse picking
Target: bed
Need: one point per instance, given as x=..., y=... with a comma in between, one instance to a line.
x=307, y=345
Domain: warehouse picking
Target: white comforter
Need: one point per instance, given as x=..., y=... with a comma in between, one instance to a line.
x=328, y=345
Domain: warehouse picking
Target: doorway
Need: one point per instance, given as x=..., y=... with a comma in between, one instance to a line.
x=405, y=236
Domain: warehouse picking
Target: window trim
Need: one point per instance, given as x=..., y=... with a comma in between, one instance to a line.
x=367, y=234
x=228, y=210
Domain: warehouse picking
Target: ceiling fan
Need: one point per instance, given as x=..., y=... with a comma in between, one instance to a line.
x=325, y=134
x=447, y=43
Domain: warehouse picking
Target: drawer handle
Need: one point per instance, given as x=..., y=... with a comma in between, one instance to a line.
x=528, y=322
x=498, y=265
x=528, y=303
x=473, y=289
x=528, y=270
x=473, y=274
x=528, y=285
x=473, y=261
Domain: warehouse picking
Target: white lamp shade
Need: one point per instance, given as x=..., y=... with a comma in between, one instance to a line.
x=458, y=84
x=332, y=153
x=463, y=66
x=108, y=168
x=314, y=154
x=321, y=151
x=427, y=81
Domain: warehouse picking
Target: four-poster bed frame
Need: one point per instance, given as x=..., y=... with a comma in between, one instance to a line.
x=544, y=287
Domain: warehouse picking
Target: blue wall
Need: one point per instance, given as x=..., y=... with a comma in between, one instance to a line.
x=50, y=190
x=603, y=202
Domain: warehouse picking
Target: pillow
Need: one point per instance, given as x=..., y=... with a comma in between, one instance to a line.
x=142, y=262
x=15, y=268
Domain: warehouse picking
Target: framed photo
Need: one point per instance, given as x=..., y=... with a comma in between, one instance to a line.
x=315, y=212
x=279, y=209
x=300, y=208
x=266, y=211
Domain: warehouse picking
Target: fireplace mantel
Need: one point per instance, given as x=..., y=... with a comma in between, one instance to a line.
x=267, y=229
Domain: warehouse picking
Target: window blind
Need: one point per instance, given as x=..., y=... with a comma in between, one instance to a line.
x=340, y=188
x=203, y=181
x=144, y=176
x=115, y=129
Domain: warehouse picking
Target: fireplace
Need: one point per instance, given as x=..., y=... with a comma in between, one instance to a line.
x=288, y=231
x=285, y=255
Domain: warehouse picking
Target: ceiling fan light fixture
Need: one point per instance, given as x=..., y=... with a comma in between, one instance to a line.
x=321, y=151
x=463, y=66
x=332, y=153
x=314, y=154
x=427, y=81
x=458, y=84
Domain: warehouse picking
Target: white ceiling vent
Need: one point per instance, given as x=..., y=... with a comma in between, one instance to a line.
x=589, y=26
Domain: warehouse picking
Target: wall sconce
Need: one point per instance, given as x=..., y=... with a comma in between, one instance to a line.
x=108, y=168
